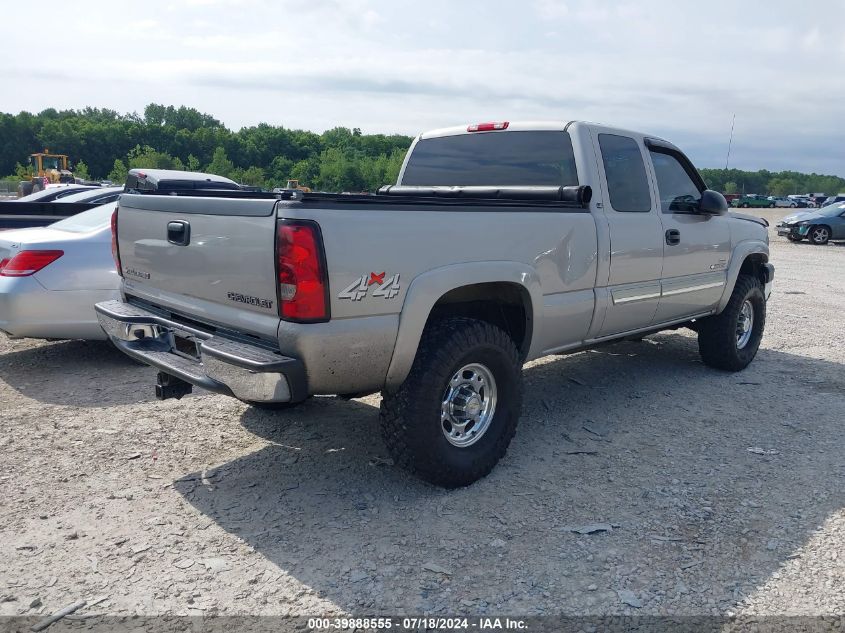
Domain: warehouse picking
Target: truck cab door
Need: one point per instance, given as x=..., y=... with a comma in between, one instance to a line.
x=697, y=246
x=632, y=291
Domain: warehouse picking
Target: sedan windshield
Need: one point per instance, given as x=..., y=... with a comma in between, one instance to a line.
x=93, y=195
x=831, y=211
x=91, y=220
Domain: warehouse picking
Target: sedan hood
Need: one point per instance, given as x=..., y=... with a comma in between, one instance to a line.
x=800, y=217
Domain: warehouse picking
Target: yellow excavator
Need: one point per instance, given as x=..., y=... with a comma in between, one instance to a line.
x=294, y=184
x=44, y=169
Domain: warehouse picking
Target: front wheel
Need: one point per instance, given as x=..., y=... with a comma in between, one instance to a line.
x=453, y=418
x=772, y=205
x=730, y=340
x=744, y=205
x=819, y=235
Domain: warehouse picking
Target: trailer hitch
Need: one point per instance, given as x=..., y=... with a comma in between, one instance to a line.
x=168, y=386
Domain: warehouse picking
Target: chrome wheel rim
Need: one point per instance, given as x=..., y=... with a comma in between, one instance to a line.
x=469, y=403
x=820, y=235
x=744, y=325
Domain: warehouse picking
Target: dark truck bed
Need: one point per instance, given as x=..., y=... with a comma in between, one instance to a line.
x=554, y=197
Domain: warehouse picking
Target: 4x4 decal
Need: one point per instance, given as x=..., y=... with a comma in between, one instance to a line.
x=360, y=288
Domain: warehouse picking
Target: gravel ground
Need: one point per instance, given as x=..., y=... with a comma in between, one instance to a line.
x=709, y=493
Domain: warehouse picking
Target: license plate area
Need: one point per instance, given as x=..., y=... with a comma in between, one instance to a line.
x=185, y=345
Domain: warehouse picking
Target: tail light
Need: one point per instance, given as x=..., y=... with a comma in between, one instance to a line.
x=301, y=269
x=114, y=250
x=28, y=263
x=488, y=127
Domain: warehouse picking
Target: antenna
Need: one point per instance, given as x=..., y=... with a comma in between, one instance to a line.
x=730, y=142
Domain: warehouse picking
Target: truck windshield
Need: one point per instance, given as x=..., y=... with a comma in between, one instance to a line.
x=494, y=159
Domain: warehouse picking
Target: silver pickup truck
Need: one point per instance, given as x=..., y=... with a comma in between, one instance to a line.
x=500, y=243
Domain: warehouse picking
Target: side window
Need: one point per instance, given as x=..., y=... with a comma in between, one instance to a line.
x=625, y=171
x=677, y=191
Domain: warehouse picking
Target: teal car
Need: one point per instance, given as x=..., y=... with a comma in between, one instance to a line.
x=752, y=200
x=818, y=226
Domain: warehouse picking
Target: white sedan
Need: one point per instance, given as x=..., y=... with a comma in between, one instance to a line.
x=51, y=277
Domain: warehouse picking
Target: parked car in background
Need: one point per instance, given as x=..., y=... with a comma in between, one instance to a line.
x=51, y=194
x=833, y=200
x=819, y=227
x=51, y=277
x=783, y=202
x=753, y=200
x=802, y=201
x=99, y=195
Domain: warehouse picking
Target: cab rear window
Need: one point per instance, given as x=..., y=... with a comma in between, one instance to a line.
x=493, y=159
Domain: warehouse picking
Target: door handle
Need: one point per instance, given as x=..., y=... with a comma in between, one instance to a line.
x=179, y=233
x=673, y=236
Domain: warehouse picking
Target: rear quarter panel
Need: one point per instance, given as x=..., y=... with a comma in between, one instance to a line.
x=429, y=250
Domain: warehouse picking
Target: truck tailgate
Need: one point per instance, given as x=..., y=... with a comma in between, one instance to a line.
x=221, y=251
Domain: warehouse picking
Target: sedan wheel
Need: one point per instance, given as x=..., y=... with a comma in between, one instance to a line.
x=819, y=235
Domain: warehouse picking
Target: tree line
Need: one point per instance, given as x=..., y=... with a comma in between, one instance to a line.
x=103, y=143
x=781, y=183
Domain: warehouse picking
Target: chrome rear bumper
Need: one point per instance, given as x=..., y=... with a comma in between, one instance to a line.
x=248, y=372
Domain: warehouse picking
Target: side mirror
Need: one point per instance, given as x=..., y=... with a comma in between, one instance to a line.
x=712, y=203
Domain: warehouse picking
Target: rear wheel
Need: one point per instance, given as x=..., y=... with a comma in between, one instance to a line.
x=819, y=235
x=453, y=418
x=744, y=205
x=772, y=205
x=730, y=340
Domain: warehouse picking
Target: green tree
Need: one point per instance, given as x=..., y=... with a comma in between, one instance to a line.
x=781, y=186
x=22, y=172
x=339, y=172
x=279, y=172
x=80, y=170
x=220, y=164
x=119, y=172
x=307, y=172
x=193, y=163
x=252, y=176
x=730, y=187
x=149, y=158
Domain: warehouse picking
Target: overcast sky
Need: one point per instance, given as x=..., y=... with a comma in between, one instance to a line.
x=679, y=69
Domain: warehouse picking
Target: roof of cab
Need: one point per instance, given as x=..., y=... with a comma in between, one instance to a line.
x=513, y=126
x=536, y=126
